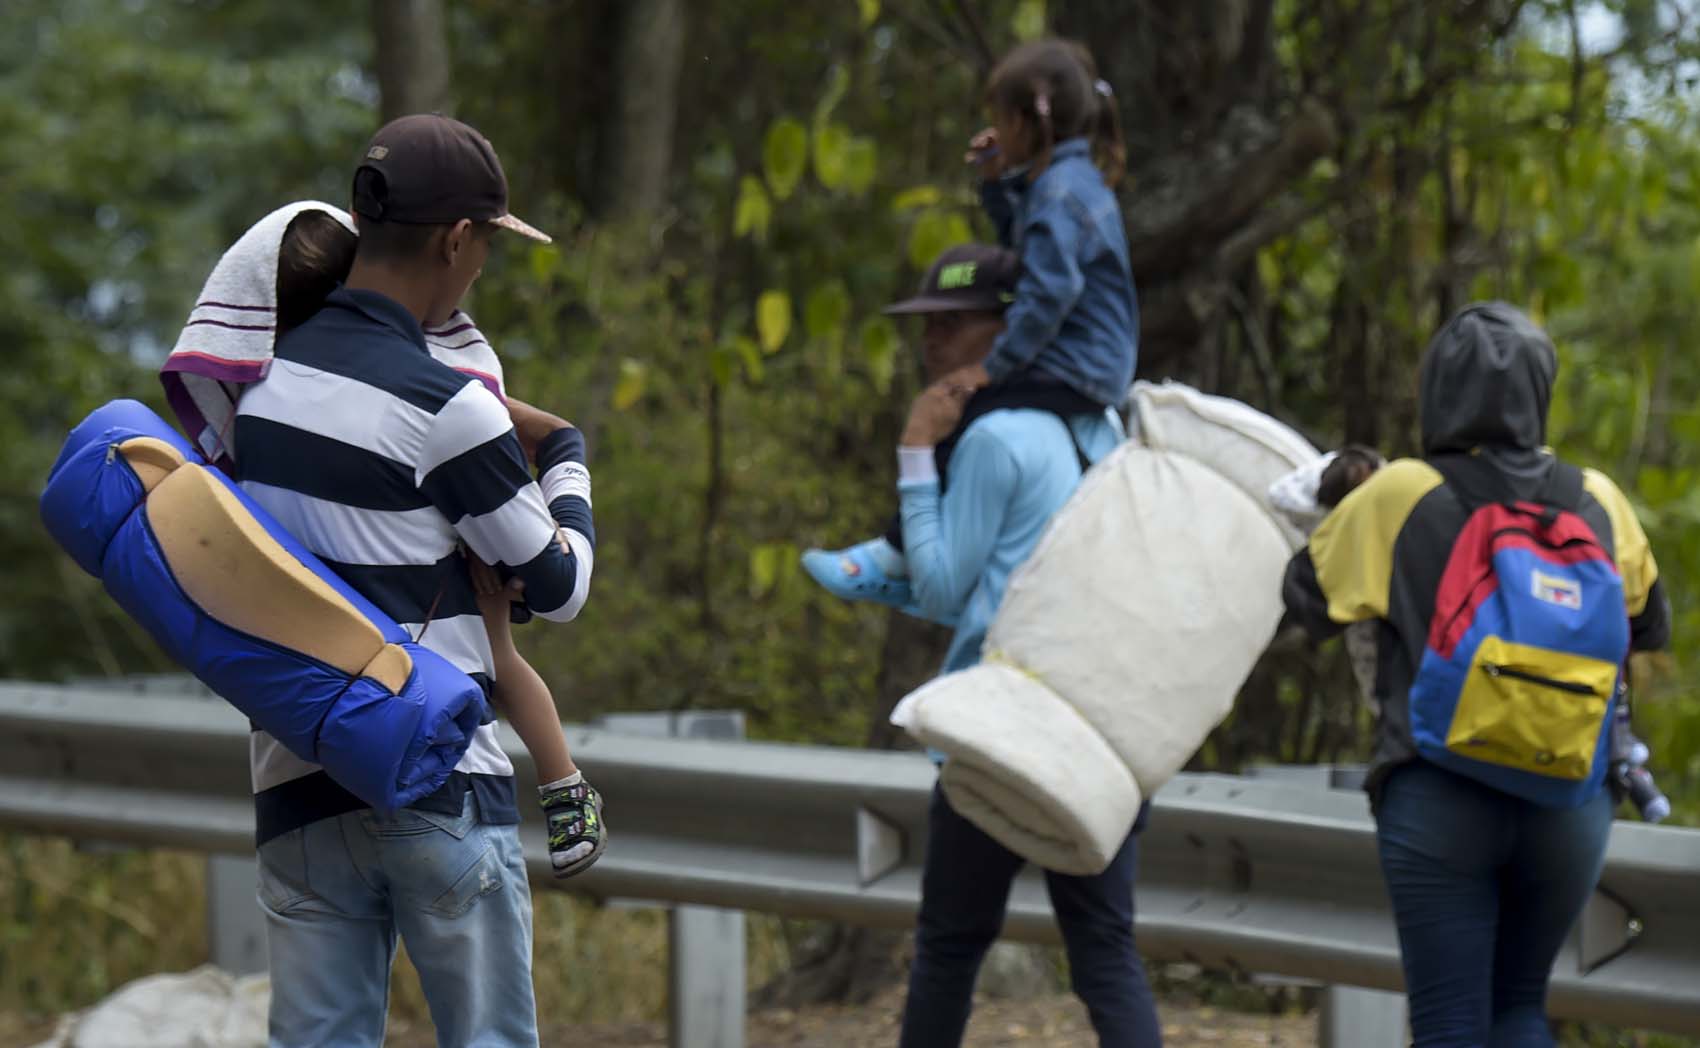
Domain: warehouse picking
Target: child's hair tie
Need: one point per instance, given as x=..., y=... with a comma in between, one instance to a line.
x=1042, y=105
x=1103, y=88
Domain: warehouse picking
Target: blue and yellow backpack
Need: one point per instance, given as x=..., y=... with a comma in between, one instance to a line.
x=1526, y=648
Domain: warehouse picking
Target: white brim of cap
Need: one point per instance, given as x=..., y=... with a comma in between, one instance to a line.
x=524, y=229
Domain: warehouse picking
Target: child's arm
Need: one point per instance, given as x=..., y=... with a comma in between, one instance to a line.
x=572, y=809
x=1000, y=209
x=522, y=696
x=997, y=187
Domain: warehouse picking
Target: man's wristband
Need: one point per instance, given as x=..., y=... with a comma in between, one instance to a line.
x=916, y=464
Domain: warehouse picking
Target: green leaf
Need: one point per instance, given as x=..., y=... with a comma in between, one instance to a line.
x=916, y=197
x=935, y=231
x=879, y=342
x=542, y=260
x=861, y=165
x=827, y=311
x=773, y=567
x=722, y=365
x=773, y=319
x=1028, y=22
x=628, y=388
x=746, y=348
x=832, y=154
x=754, y=211
x=870, y=12
x=784, y=155
x=764, y=569
x=1268, y=269
x=837, y=85
x=957, y=230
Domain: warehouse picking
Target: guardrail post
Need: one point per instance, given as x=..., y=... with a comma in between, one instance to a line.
x=236, y=930
x=1355, y=1018
x=707, y=978
x=705, y=944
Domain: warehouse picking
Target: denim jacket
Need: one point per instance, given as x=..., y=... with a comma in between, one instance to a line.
x=1075, y=317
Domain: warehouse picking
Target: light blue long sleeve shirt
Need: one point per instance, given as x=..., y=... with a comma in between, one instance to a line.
x=1010, y=472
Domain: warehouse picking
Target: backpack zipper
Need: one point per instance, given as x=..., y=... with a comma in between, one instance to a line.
x=1495, y=670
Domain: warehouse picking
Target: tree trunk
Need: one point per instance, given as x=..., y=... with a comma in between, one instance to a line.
x=637, y=139
x=1212, y=158
x=413, y=57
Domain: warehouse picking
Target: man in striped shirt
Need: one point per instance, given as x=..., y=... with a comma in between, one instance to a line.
x=386, y=463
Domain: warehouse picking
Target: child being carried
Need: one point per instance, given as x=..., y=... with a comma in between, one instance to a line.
x=1048, y=165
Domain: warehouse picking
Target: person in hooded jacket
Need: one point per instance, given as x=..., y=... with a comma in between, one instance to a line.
x=1485, y=885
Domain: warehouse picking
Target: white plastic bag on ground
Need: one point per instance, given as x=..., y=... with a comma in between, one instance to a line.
x=204, y=1008
x=1123, y=640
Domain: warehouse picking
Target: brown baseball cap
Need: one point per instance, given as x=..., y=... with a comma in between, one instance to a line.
x=429, y=169
x=968, y=277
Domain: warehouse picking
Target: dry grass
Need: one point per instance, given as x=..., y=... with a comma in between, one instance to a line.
x=76, y=925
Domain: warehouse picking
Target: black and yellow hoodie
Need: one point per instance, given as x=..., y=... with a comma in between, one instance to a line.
x=1486, y=382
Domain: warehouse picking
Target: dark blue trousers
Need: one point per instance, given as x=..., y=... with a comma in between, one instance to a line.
x=964, y=892
x=1485, y=887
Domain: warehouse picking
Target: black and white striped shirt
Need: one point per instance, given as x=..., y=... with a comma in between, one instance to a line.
x=384, y=461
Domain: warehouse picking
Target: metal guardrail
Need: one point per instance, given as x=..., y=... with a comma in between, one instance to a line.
x=1246, y=874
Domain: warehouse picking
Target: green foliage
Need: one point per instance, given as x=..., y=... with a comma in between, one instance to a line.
x=935, y=230
x=832, y=154
x=1028, y=22
x=120, y=190
x=754, y=211
x=773, y=319
x=916, y=197
x=861, y=165
x=784, y=155
x=628, y=387
x=827, y=310
x=879, y=343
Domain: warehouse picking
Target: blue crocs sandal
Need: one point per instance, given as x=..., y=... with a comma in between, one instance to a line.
x=854, y=573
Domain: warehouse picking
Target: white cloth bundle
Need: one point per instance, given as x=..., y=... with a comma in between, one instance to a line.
x=1294, y=497
x=231, y=334
x=1124, y=638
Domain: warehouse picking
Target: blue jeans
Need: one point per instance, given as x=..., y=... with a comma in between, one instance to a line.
x=1485, y=887
x=964, y=891
x=337, y=892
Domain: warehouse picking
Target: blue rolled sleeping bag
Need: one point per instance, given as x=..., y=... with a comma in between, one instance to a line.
x=252, y=613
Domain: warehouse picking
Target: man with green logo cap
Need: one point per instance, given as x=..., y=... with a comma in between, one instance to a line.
x=980, y=474
x=961, y=303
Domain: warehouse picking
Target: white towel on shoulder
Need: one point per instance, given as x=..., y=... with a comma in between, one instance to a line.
x=231, y=335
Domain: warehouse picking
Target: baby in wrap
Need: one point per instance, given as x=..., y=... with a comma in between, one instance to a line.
x=1305, y=496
